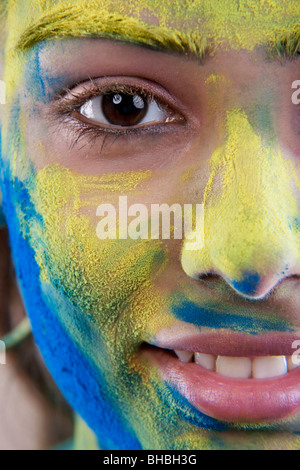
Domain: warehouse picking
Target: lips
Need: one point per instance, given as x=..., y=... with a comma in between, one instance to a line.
x=256, y=382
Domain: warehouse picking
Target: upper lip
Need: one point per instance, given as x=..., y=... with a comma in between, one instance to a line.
x=225, y=339
x=228, y=343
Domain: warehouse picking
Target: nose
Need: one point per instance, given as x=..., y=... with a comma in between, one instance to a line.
x=251, y=228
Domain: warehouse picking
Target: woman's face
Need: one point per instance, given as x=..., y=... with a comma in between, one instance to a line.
x=183, y=103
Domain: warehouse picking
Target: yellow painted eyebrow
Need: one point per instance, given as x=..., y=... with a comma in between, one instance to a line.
x=69, y=23
x=289, y=45
x=75, y=21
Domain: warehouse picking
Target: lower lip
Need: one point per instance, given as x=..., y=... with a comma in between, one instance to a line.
x=227, y=399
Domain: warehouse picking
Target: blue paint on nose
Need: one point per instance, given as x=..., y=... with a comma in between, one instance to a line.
x=249, y=283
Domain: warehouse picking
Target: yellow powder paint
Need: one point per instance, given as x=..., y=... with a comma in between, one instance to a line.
x=227, y=20
x=84, y=438
x=216, y=84
x=147, y=420
x=93, y=186
x=106, y=278
x=215, y=79
x=248, y=198
x=101, y=276
x=113, y=282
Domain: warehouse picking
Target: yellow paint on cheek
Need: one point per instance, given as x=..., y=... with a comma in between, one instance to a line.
x=102, y=278
x=214, y=79
x=251, y=212
x=104, y=292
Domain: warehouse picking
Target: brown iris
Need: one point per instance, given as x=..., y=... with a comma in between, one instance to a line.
x=123, y=109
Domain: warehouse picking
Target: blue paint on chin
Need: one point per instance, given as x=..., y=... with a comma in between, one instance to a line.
x=172, y=399
x=211, y=316
x=82, y=385
x=249, y=284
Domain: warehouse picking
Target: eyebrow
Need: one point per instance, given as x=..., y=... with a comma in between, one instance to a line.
x=68, y=23
x=289, y=46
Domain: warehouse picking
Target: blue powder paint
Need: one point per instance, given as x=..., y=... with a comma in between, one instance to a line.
x=2, y=216
x=211, y=317
x=248, y=285
x=82, y=385
x=33, y=75
x=172, y=399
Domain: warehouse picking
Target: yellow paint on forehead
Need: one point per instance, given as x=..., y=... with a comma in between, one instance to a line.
x=242, y=23
x=186, y=24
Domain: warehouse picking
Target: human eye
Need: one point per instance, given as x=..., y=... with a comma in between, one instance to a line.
x=120, y=106
x=123, y=109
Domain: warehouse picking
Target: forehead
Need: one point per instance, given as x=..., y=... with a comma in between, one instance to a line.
x=240, y=23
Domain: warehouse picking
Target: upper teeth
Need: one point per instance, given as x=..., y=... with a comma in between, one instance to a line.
x=243, y=367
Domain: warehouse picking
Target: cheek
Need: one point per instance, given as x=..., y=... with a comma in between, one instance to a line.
x=89, y=302
x=110, y=282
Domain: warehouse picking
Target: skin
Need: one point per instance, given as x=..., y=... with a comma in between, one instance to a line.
x=235, y=131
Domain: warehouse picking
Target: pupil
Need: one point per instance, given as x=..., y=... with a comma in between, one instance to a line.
x=123, y=109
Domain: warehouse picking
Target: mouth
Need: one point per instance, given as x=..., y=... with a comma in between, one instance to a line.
x=235, y=378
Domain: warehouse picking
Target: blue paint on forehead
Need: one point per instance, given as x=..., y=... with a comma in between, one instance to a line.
x=41, y=84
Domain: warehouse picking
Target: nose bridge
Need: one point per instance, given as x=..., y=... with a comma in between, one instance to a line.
x=250, y=212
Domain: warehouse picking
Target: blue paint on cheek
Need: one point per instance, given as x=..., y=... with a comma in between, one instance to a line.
x=212, y=317
x=248, y=285
x=80, y=382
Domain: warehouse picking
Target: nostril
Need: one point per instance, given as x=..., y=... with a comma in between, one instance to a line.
x=250, y=286
x=208, y=277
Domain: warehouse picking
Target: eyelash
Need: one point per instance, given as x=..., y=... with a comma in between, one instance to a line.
x=69, y=102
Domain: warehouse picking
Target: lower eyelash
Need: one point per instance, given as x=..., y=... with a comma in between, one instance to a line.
x=81, y=131
x=89, y=135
